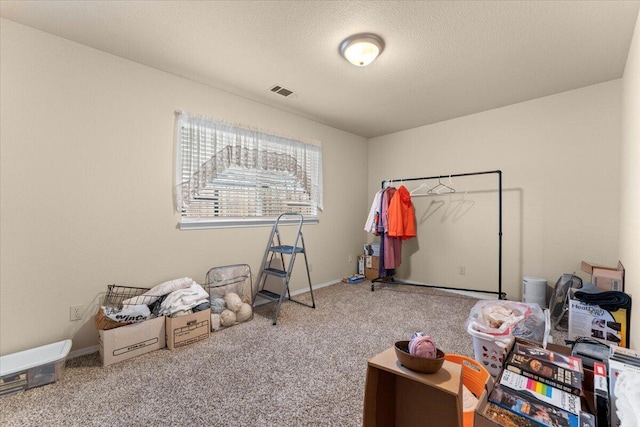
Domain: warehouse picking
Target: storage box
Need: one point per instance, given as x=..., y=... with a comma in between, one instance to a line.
x=606, y=278
x=371, y=267
x=397, y=396
x=587, y=320
x=116, y=345
x=185, y=330
x=33, y=368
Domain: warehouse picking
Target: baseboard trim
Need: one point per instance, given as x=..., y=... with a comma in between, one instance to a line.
x=469, y=293
x=83, y=351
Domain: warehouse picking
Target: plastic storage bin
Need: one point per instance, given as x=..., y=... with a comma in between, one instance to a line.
x=33, y=368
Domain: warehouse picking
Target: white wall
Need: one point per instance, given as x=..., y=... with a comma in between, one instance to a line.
x=87, y=155
x=630, y=182
x=559, y=156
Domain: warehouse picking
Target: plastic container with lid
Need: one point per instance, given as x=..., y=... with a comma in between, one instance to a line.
x=33, y=368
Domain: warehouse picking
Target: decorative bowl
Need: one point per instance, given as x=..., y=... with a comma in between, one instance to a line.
x=418, y=364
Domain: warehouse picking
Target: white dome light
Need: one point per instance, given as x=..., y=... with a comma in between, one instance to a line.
x=361, y=49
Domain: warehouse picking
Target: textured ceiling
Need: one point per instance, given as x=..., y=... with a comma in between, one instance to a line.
x=443, y=59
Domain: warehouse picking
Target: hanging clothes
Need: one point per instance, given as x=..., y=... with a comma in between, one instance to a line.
x=390, y=247
x=371, y=226
x=401, y=215
x=392, y=217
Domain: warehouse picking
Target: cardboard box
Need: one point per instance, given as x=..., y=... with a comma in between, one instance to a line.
x=606, y=278
x=129, y=341
x=397, y=396
x=587, y=320
x=185, y=330
x=371, y=267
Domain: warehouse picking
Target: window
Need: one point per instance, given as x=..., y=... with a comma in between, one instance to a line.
x=230, y=176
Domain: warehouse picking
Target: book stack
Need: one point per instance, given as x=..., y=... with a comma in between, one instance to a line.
x=538, y=387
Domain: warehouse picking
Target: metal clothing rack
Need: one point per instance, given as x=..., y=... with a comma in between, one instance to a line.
x=501, y=295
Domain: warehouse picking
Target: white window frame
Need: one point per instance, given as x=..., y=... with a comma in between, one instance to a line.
x=229, y=175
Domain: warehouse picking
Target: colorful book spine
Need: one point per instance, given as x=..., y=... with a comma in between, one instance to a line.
x=506, y=418
x=567, y=362
x=545, y=372
x=542, y=392
x=533, y=410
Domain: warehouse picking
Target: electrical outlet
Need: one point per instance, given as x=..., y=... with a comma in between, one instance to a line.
x=310, y=267
x=350, y=258
x=75, y=312
x=462, y=270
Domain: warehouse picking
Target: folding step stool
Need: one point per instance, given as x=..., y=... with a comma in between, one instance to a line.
x=275, y=252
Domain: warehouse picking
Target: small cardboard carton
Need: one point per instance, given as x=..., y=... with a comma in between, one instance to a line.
x=125, y=342
x=606, y=278
x=185, y=330
x=397, y=396
x=371, y=267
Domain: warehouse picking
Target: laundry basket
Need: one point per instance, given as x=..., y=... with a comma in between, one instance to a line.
x=492, y=337
x=474, y=378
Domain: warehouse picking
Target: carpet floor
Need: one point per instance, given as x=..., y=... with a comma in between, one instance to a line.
x=308, y=370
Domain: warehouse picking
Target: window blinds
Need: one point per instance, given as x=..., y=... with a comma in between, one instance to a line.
x=233, y=176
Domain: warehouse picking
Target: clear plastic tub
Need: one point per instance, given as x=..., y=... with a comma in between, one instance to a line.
x=34, y=367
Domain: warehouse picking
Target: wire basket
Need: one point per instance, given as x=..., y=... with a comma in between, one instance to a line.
x=119, y=296
x=123, y=305
x=230, y=290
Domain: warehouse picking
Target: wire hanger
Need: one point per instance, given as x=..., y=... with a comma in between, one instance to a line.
x=441, y=188
x=420, y=187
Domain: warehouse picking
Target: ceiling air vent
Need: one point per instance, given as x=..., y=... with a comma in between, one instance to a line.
x=287, y=93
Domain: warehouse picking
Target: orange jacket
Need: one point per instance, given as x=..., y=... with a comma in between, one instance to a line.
x=402, y=217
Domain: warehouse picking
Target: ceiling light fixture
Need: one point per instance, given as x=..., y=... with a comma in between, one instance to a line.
x=361, y=49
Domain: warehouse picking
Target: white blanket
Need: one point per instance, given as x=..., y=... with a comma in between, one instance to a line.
x=183, y=299
x=157, y=291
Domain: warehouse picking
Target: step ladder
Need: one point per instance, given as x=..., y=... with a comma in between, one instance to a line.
x=278, y=261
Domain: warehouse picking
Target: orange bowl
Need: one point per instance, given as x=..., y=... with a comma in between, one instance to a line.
x=418, y=364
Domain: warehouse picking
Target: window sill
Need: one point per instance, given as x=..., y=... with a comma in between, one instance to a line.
x=205, y=223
